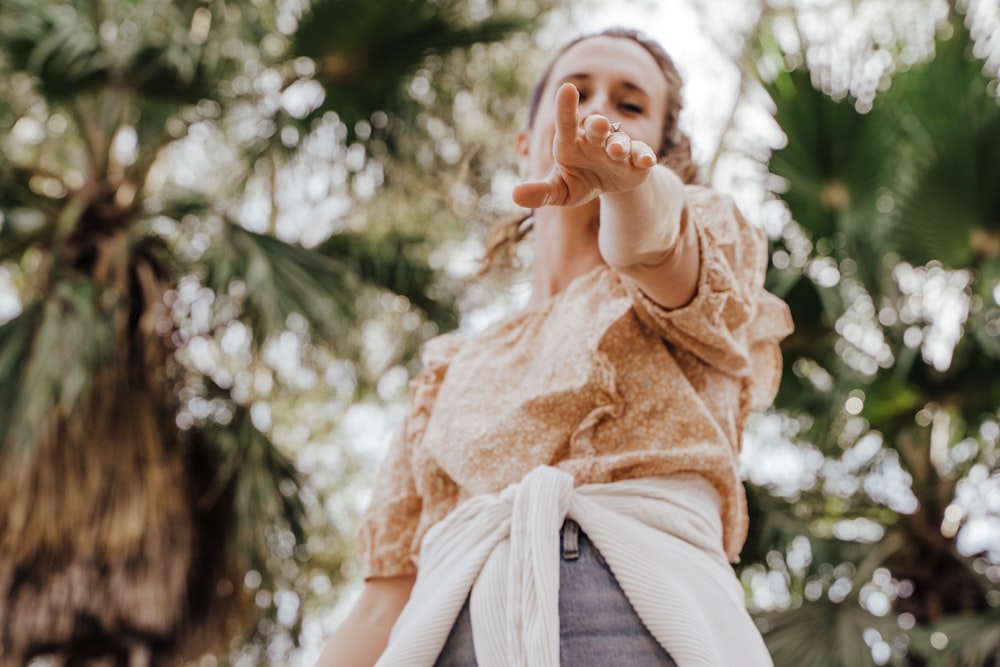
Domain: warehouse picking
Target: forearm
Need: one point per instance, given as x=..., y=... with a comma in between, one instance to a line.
x=364, y=634
x=642, y=236
x=639, y=226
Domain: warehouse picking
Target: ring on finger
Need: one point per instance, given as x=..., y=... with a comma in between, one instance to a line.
x=616, y=128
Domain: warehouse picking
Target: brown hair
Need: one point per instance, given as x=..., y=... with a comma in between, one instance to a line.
x=674, y=151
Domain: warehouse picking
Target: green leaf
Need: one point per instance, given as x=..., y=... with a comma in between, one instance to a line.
x=391, y=262
x=21, y=229
x=949, y=210
x=984, y=323
x=58, y=42
x=53, y=353
x=836, y=163
x=889, y=399
x=265, y=488
x=16, y=337
x=833, y=157
x=282, y=279
x=972, y=640
x=55, y=42
x=366, y=51
x=823, y=634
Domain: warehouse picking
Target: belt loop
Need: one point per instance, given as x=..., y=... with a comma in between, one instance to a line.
x=570, y=541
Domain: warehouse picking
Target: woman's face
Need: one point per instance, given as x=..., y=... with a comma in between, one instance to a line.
x=617, y=78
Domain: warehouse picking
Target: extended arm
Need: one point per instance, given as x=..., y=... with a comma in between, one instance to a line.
x=642, y=235
x=642, y=202
x=362, y=637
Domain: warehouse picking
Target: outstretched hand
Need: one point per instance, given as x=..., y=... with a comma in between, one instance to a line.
x=589, y=161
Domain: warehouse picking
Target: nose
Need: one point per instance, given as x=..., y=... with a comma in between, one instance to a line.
x=596, y=102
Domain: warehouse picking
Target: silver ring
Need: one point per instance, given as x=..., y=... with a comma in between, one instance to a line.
x=616, y=128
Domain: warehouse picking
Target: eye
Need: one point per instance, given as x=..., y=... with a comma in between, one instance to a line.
x=631, y=107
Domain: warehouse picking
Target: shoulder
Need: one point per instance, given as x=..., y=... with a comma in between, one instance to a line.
x=438, y=352
x=716, y=211
x=706, y=200
x=435, y=359
x=723, y=231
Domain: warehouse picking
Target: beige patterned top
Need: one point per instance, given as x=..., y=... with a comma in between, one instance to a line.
x=599, y=381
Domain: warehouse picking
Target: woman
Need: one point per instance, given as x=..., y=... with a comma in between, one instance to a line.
x=566, y=481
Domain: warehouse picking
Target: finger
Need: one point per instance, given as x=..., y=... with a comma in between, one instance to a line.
x=642, y=155
x=567, y=115
x=596, y=128
x=618, y=145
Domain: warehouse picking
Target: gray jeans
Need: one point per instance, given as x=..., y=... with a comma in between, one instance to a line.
x=597, y=625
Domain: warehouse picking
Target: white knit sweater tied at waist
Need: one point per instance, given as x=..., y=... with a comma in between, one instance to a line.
x=661, y=537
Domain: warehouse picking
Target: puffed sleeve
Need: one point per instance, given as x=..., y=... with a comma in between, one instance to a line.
x=732, y=324
x=389, y=525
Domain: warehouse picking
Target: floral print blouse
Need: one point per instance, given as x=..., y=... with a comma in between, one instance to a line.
x=599, y=381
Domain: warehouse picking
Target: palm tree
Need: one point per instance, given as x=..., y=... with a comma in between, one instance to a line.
x=138, y=487
x=892, y=386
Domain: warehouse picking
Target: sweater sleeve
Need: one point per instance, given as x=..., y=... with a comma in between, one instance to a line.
x=386, y=536
x=732, y=324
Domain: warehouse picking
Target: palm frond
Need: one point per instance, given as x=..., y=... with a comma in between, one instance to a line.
x=364, y=62
x=823, y=634
x=983, y=321
x=169, y=72
x=836, y=163
x=392, y=262
x=950, y=210
x=63, y=343
x=282, y=279
x=21, y=229
x=26, y=217
x=58, y=42
x=831, y=156
x=54, y=42
x=972, y=641
x=890, y=400
x=265, y=488
x=16, y=338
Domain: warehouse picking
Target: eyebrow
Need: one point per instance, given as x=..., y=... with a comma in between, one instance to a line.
x=583, y=75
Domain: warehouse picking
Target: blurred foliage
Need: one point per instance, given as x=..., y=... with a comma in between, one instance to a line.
x=213, y=213
x=231, y=224
x=876, y=480
x=384, y=41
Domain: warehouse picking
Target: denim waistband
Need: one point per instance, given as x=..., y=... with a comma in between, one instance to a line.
x=569, y=541
x=598, y=625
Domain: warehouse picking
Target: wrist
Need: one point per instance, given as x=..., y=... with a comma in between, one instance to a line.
x=643, y=226
x=672, y=247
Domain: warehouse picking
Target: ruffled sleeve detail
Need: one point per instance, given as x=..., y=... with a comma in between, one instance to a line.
x=609, y=406
x=435, y=358
x=773, y=322
x=386, y=536
x=732, y=324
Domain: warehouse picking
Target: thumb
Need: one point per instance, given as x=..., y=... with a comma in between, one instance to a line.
x=534, y=194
